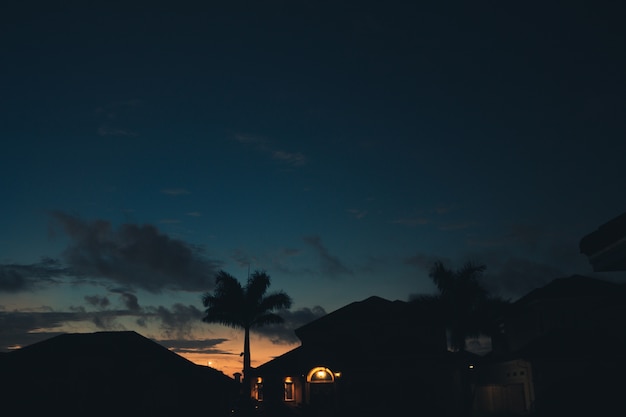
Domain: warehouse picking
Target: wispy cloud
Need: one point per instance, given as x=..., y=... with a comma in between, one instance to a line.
x=359, y=214
x=295, y=159
x=22, y=328
x=291, y=158
x=284, y=333
x=329, y=264
x=205, y=346
x=18, y=277
x=513, y=276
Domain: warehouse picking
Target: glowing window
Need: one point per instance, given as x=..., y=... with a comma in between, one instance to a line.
x=258, y=389
x=320, y=375
x=289, y=393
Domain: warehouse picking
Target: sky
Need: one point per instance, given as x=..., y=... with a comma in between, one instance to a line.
x=341, y=146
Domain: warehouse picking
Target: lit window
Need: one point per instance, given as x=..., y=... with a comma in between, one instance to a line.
x=258, y=389
x=320, y=375
x=289, y=389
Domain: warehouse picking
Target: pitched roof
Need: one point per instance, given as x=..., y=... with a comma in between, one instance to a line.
x=575, y=286
x=112, y=369
x=363, y=332
x=366, y=311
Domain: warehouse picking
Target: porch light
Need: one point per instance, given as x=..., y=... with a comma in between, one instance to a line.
x=288, y=379
x=259, y=380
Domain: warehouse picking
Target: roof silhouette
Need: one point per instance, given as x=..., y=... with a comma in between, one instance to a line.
x=605, y=247
x=117, y=371
x=575, y=286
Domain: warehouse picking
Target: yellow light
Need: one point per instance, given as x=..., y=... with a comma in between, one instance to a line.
x=259, y=380
x=471, y=366
x=288, y=379
x=338, y=374
x=321, y=374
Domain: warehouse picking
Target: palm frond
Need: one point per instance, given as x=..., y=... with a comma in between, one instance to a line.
x=267, y=318
x=257, y=285
x=274, y=301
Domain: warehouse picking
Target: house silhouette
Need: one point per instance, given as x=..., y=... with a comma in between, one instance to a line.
x=564, y=352
x=109, y=373
x=562, y=349
x=371, y=357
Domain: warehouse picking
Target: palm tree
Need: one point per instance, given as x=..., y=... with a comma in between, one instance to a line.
x=467, y=307
x=244, y=307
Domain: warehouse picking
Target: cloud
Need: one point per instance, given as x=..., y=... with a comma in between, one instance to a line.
x=284, y=333
x=329, y=264
x=295, y=159
x=134, y=256
x=22, y=328
x=291, y=158
x=359, y=214
x=515, y=276
x=97, y=301
x=130, y=301
x=178, y=322
x=19, y=329
x=205, y=346
x=524, y=257
x=15, y=278
x=505, y=275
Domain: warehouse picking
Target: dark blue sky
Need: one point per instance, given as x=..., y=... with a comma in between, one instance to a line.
x=342, y=146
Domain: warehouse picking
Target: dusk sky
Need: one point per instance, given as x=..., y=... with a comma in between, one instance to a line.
x=341, y=146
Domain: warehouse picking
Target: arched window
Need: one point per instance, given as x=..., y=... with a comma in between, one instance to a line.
x=320, y=375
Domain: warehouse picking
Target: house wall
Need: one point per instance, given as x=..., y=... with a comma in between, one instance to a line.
x=505, y=387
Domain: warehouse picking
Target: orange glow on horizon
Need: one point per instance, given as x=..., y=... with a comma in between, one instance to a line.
x=230, y=363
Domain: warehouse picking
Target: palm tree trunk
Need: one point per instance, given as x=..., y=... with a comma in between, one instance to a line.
x=246, y=364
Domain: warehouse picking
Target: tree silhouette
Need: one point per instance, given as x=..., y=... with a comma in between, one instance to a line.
x=244, y=307
x=466, y=309
x=465, y=306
